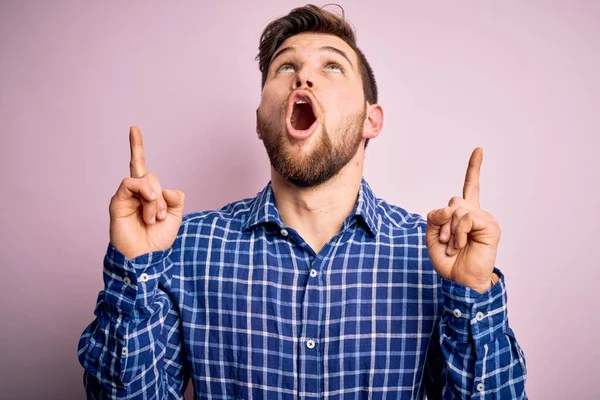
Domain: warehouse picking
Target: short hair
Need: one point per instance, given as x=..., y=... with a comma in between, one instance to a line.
x=313, y=19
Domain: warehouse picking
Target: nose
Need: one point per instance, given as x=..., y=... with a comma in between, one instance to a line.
x=303, y=80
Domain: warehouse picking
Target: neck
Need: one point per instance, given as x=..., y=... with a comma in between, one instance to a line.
x=317, y=213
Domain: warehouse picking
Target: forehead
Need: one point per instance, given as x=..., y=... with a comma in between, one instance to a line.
x=307, y=42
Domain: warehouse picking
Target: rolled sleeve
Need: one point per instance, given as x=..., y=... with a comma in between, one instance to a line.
x=131, y=283
x=471, y=315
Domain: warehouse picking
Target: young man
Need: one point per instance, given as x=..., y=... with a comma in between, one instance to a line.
x=314, y=288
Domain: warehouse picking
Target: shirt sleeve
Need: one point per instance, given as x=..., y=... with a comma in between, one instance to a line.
x=133, y=349
x=474, y=353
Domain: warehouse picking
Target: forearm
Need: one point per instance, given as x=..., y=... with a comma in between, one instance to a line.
x=124, y=350
x=481, y=354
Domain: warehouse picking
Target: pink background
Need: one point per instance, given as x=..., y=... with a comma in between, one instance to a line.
x=520, y=80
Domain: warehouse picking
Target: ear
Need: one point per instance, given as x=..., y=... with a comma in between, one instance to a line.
x=373, y=122
x=257, y=130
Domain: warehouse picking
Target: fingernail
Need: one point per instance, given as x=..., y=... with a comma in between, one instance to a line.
x=153, y=196
x=153, y=220
x=163, y=213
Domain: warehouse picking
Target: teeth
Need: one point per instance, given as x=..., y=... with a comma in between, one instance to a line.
x=301, y=102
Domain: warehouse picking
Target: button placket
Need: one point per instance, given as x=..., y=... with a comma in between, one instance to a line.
x=310, y=334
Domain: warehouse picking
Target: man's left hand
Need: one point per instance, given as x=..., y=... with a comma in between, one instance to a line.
x=462, y=239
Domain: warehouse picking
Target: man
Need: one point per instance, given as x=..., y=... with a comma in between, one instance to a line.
x=314, y=288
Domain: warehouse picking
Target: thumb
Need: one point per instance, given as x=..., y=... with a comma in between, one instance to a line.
x=175, y=200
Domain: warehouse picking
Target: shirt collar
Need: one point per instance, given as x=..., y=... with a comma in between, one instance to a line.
x=264, y=211
x=366, y=207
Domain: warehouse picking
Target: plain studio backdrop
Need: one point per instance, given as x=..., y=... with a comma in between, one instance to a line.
x=520, y=79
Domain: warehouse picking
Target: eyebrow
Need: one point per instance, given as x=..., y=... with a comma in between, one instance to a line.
x=330, y=49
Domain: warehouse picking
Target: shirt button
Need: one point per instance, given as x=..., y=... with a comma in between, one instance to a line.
x=479, y=316
x=313, y=273
x=480, y=387
x=457, y=313
x=124, y=352
x=284, y=232
x=127, y=281
x=310, y=344
x=144, y=277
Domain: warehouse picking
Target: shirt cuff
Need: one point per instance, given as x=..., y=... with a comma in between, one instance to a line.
x=471, y=315
x=130, y=284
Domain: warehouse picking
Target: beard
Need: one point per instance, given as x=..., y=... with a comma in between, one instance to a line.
x=325, y=159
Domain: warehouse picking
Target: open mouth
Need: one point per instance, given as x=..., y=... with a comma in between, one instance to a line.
x=301, y=116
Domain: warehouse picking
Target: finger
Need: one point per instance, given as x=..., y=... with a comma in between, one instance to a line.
x=474, y=223
x=131, y=187
x=455, y=242
x=445, y=233
x=161, y=209
x=149, y=211
x=455, y=203
x=142, y=189
x=137, y=163
x=463, y=227
x=456, y=217
x=458, y=201
x=437, y=218
x=161, y=204
x=471, y=187
x=174, y=199
x=451, y=247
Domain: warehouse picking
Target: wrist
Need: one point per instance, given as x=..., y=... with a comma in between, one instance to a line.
x=480, y=287
x=493, y=280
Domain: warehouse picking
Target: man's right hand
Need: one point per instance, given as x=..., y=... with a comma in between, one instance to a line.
x=143, y=217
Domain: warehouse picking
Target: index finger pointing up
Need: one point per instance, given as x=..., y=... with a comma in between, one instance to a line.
x=137, y=163
x=471, y=188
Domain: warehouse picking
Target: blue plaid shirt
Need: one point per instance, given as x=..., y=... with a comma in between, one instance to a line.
x=242, y=305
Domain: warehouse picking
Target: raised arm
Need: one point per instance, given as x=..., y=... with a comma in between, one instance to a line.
x=133, y=349
x=475, y=353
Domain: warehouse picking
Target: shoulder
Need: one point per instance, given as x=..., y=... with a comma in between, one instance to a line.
x=231, y=216
x=398, y=217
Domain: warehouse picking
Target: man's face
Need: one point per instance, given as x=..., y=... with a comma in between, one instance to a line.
x=312, y=110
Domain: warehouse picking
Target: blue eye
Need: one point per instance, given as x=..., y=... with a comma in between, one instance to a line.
x=284, y=66
x=336, y=67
